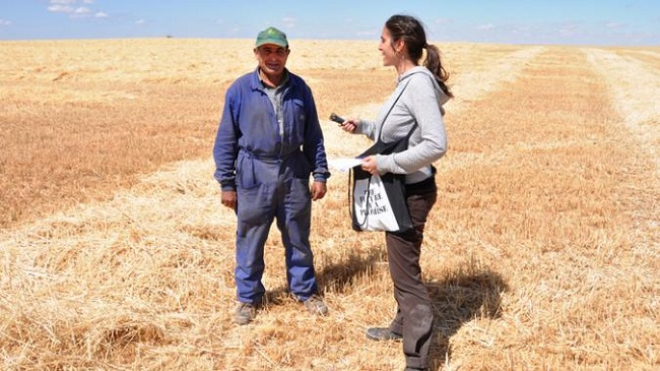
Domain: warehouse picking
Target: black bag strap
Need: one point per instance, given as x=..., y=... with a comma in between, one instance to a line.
x=351, y=175
x=380, y=133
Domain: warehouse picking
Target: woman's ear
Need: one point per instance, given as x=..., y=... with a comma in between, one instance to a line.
x=399, y=46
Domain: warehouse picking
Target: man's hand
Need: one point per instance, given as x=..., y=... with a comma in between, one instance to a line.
x=318, y=190
x=229, y=199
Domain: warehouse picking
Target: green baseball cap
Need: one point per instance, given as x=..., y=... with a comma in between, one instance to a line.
x=272, y=35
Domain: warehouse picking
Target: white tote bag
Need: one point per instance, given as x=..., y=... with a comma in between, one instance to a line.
x=372, y=210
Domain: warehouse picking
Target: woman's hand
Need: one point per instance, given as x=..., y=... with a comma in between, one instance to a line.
x=349, y=125
x=369, y=165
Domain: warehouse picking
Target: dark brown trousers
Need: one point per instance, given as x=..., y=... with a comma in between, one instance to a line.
x=414, y=317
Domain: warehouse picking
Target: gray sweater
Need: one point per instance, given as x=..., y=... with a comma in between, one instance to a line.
x=420, y=104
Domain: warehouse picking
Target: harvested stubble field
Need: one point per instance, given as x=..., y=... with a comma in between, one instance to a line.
x=115, y=253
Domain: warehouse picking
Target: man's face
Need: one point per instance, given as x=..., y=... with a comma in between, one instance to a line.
x=272, y=58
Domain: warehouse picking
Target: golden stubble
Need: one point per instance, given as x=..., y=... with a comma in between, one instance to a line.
x=541, y=252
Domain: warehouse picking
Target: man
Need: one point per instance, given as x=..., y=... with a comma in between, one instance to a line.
x=268, y=143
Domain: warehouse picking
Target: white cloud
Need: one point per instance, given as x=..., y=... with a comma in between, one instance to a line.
x=486, y=27
x=57, y=8
x=4, y=22
x=67, y=2
x=441, y=21
x=521, y=30
x=140, y=21
x=367, y=34
x=68, y=7
x=613, y=25
x=289, y=22
x=569, y=29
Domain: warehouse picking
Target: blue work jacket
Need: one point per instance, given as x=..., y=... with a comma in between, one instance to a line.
x=249, y=130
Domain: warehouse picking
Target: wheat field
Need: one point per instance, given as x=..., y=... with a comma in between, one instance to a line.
x=542, y=252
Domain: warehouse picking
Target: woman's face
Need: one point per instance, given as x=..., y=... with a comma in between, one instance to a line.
x=386, y=50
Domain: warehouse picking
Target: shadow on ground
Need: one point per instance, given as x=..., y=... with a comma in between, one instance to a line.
x=338, y=276
x=464, y=294
x=459, y=298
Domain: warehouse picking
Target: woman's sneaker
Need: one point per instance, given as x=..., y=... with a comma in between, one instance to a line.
x=383, y=333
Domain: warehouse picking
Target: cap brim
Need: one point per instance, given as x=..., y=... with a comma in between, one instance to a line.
x=277, y=42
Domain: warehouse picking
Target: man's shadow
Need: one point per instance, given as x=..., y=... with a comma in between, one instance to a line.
x=338, y=276
x=460, y=297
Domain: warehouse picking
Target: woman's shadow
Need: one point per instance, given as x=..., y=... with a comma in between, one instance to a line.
x=468, y=292
x=463, y=295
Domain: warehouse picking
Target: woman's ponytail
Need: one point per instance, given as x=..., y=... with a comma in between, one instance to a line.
x=434, y=64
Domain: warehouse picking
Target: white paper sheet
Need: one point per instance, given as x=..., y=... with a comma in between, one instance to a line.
x=344, y=164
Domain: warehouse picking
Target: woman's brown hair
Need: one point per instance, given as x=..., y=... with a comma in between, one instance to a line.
x=412, y=32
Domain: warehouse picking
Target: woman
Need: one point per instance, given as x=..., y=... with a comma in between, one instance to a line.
x=416, y=105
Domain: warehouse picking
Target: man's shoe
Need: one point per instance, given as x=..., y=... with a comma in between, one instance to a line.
x=415, y=369
x=315, y=305
x=245, y=313
x=383, y=333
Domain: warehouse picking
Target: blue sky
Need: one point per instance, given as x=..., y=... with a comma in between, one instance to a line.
x=569, y=22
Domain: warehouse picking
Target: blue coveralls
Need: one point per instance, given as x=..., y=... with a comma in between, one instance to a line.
x=270, y=173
